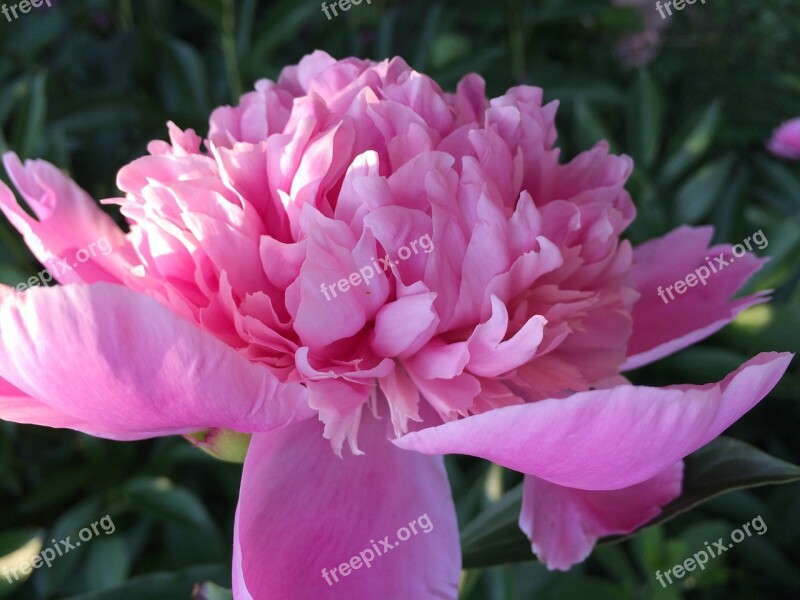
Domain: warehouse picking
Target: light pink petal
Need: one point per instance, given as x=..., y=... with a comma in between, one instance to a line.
x=302, y=510
x=282, y=262
x=404, y=326
x=563, y=523
x=606, y=439
x=403, y=399
x=116, y=359
x=323, y=161
x=661, y=328
x=71, y=235
x=297, y=78
x=338, y=290
x=439, y=360
x=18, y=407
x=470, y=99
x=785, y=141
x=340, y=405
x=451, y=398
x=490, y=356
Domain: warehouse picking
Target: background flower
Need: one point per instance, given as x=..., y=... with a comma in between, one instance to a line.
x=785, y=141
x=672, y=187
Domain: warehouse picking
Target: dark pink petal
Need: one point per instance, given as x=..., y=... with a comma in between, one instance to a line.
x=661, y=327
x=606, y=439
x=785, y=141
x=563, y=523
x=302, y=510
x=120, y=361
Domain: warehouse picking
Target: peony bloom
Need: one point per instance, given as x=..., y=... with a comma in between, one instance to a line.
x=785, y=141
x=366, y=273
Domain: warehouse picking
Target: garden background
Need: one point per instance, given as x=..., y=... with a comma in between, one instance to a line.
x=692, y=98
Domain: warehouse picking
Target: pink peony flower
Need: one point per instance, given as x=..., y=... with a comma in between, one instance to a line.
x=785, y=141
x=504, y=339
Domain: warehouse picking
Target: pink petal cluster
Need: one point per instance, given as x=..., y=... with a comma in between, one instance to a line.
x=785, y=141
x=504, y=341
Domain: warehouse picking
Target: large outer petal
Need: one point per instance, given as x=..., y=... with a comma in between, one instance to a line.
x=303, y=510
x=18, y=407
x=563, y=523
x=660, y=328
x=128, y=368
x=606, y=439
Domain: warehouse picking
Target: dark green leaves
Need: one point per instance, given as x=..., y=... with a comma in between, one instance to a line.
x=210, y=591
x=166, y=586
x=494, y=536
x=695, y=198
x=645, y=116
x=723, y=465
x=691, y=142
x=163, y=500
x=17, y=546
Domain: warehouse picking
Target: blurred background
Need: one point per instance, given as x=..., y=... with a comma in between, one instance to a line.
x=86, y=84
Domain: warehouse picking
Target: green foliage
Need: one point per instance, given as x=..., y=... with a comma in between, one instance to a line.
x=86, y=85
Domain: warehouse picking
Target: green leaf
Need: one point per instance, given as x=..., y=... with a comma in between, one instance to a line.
x=279, y=27
x=49, y=581
x=17, y=546
x=494, y=537
x=108, y=562
x=587, y=587
x=725, y=464
x=211, y=10
x=696, y=197
x=589, y=128
x=163, y=586
x=644, y=119
x=188, y=65
x=691, y=143
x=428, y=35
x=786, y=185
x=211, y=591
x=29, y=126
x=766, y=327
x=783, y=246
x=161, y=498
